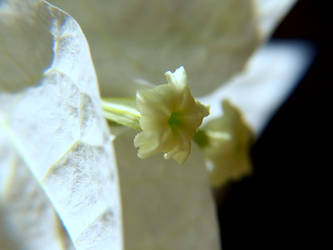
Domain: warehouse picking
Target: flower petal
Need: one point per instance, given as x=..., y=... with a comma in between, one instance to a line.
x=169, y=118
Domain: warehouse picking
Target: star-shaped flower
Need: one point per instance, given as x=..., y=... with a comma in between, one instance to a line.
x=169, y=118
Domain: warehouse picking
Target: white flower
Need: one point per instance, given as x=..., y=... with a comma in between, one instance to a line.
x=225, y=142
x=169, y=118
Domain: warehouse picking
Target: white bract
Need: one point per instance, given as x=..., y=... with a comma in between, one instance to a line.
x=25, y=210
x=56, y=124
x=57, y=155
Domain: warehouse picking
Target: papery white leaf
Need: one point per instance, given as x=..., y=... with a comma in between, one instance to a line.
x=270, y=13
x=166, y=206
x=57, y=124
x=138, y=40
x=271, y=75
x=27, y=219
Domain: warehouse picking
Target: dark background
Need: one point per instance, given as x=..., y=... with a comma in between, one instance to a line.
x=273, y=207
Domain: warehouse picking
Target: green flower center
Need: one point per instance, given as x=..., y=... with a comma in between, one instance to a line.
x=201, y=138
x=175, y=119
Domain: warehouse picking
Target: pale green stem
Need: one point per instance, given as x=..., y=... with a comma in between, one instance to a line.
x=121, y=111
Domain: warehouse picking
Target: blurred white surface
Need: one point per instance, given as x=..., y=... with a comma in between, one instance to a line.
x=271, y=75
x=270, y=13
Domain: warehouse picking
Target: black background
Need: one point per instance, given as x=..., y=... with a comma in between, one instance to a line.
x=273, y=207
